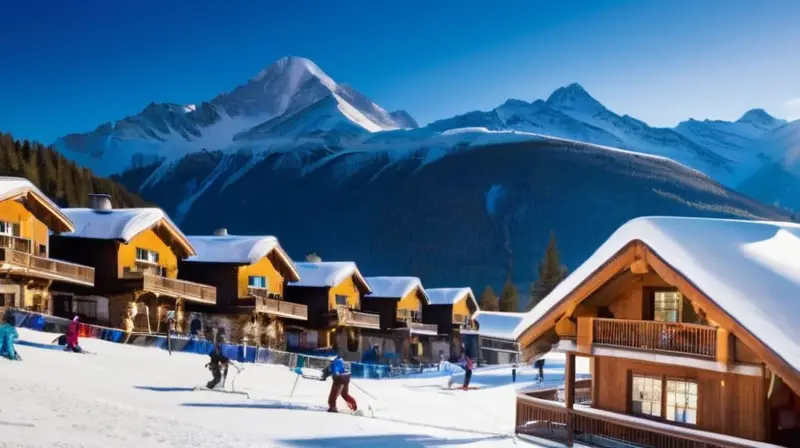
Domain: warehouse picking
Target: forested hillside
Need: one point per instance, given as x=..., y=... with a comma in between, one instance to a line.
x=65, y=182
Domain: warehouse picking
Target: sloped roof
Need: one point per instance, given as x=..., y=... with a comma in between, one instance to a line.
x=394, y=287
x=327, y=273
x=749, y=269
x=238, y=249
x=14, y=187
x=121, y=224
x=450, y=296
x=499, y=325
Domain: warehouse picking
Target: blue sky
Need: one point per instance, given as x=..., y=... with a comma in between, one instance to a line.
x=68, y=66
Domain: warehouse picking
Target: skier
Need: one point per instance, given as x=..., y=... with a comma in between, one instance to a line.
x=468, y=374
x=341, y=385
x=217, y=365
x=539, y=364
x=72, y=337
x=8, y=334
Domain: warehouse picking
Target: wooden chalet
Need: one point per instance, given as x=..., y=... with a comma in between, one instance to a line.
x=495, y=340
x=27, y=271
x=690, y=327
x=400, y=302
x=333, y=293
x=250, y=274
x=452, y=310
x=135, y=253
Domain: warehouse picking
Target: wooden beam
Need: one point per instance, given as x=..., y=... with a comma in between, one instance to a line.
x=569, y=395
x=639, y=267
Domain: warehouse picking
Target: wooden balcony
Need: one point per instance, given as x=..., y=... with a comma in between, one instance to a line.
x=409, y=315
x=413, y=320
x=13, y=261
x=16, y=243
x=156, y=283
x=346, y=317
x=666, y=337
x=552, y=420
x=499, y=345
x=280, y=308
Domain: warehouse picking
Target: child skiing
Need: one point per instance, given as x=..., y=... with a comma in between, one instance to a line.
x=340, y=386
x=8, y=335
x=72, y=337
x=217, y=365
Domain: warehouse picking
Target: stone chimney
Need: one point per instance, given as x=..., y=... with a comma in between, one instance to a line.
x=100, y=202
x=221, y=232
x=313, y=258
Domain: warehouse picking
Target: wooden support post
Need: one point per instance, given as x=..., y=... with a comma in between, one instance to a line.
x=569, y=394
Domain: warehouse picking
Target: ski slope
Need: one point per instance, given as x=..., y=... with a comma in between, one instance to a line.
x=126, y=396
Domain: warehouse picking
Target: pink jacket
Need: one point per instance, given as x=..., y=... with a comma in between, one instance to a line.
x=72, y=333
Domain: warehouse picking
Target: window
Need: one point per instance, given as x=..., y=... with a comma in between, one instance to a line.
x=668, y=306
x=255, y=281
x=646, y=395
x=9, y=228
x=146, y=255
x=682, y=401
x=341, y=300
x=42, y=250
x=7, y=299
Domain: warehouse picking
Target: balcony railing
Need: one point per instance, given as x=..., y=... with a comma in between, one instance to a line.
x=47, y=267
x=551, y=420
x=351, y=318
x=430, y=329
x=409, y=315
x=690, y=339
x=151, y=281
x=281, y=308
x=499, y=345
x=16, y=243
x=264, y=293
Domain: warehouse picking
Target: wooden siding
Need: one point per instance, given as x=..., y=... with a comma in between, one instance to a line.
x=316, y=299
x=386, y=308
x=263, y=268
x=348, y=289
x=30, y=227
x=151, y=241
x=99, y=254
x=413, y=301
x=220, y=275
x=727, y=403
x=440, y=315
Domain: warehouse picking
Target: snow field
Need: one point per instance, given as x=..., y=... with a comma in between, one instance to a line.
x=126, y=396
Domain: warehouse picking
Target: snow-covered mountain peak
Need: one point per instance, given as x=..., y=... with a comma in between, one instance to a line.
x=576, y=100
x=760, y=118
x=296, y=69
x=404, y=119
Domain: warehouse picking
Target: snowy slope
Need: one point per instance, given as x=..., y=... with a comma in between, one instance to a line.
x=109, y=400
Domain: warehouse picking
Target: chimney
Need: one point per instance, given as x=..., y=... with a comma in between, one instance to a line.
x=313, y=258
x=100, y=202
x=221, y=232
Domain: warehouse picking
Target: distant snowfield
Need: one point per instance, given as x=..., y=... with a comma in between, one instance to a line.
x=127, y=396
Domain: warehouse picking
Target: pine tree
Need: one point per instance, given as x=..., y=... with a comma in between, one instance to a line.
x=509, y=298
x=489, y=300
x=551, y=273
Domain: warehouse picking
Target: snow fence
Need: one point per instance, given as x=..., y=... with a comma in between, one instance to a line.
x=238, y=352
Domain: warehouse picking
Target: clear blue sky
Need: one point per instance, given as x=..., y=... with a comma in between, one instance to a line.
x=68, y=66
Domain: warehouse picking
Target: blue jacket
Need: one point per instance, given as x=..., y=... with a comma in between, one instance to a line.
x=8, y=335
x=337, y=366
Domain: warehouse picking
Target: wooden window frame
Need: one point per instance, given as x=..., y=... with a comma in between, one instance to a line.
x=664, y=379
x=264, y=278
x=148, y=252
x=336, y=300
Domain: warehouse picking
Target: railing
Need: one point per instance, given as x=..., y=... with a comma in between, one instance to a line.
x=427, y=328
x=16, y=243
x=142, y=267
x=49, y=267
x=583, y=392
x=347, y=317
x=552, y=420
x=261, y=292
x=698, y=340
x=460, y=319
x=195, y=292
x=499, y=345
x=281, y=308
x=409, y=315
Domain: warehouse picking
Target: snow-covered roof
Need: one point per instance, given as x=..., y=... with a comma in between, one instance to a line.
x=13, y=187
x=121, y=224
x=327, y=273
x=238, y=249
x=394, y=287
x=498, y=325
x=450, y=296
x=749, y=269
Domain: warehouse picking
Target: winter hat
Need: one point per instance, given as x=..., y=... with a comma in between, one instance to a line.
x=75, y=319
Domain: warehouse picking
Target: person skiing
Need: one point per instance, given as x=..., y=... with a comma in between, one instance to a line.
x=8, y=335
x=539, y=364
x=468, y=370
x=72, y=337
x=340, y=386
x=217, y=365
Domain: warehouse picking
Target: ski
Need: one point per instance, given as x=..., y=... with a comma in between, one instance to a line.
x=231, y=392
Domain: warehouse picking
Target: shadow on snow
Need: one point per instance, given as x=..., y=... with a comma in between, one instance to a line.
x=389, y=440
x=165, y=389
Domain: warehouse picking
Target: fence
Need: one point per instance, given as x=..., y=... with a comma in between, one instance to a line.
x=241, y=353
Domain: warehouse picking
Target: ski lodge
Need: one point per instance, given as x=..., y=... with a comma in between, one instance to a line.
x=690, y=327
x=452, y=310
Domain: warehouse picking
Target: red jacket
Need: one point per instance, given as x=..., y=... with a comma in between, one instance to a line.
x=72, y=333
